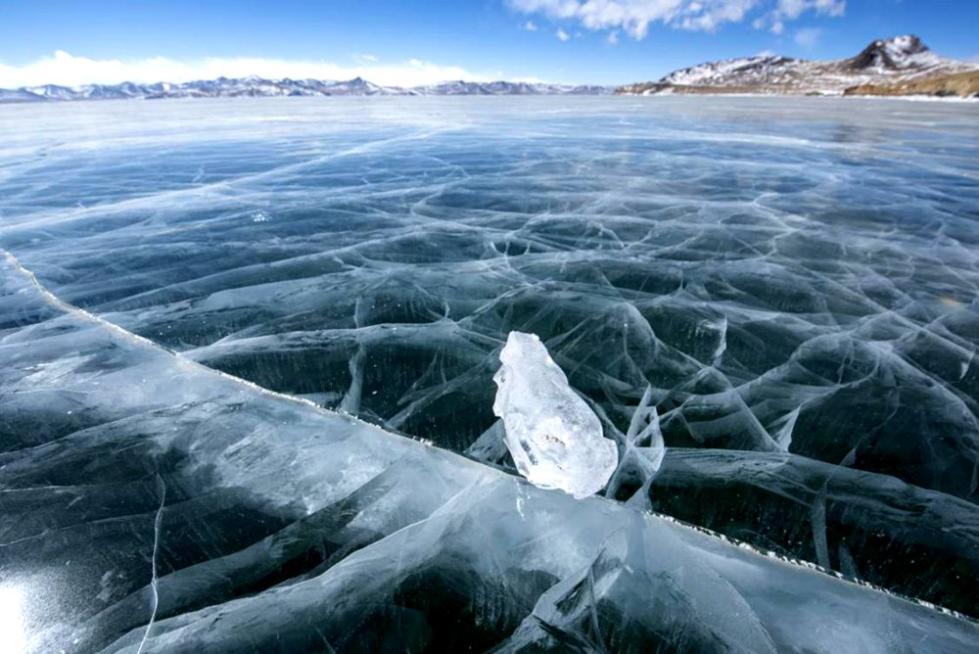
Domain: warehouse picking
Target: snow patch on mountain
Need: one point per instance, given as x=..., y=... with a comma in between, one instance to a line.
x=883, y=61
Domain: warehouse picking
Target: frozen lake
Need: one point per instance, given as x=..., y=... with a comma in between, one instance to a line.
x=795, y=279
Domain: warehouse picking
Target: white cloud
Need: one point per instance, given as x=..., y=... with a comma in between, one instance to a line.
x=70, y=70
x=808, y=37
x=708, y=15
x=787, y=10
x=613, y=38
x=562, y=35
x=530, y=26
x=365, y=58
x=792, y=9
x=635, y=16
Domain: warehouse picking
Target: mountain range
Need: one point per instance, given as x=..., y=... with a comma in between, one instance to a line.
x=902, y=65
x=260, y=87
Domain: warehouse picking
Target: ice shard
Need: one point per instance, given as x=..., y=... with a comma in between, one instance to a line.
x=555, y=439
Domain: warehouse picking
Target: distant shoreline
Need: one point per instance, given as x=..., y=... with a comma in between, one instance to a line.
x=480, y=98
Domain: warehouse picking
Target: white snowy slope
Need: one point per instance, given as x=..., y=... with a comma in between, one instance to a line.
x=898, y=58
x=159, y=506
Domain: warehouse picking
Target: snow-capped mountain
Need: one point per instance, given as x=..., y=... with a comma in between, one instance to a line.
x=261, y=87
x=462, y=87
x=18, y=95
x=52, y=92
x=882, y=61
x=899, y=53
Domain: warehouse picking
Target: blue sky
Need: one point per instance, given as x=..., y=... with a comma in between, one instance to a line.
x=415, y=41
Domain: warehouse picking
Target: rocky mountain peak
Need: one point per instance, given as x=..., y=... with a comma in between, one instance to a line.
x=895, y=53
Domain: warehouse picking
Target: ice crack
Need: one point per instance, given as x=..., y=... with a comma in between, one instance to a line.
x=154, y=587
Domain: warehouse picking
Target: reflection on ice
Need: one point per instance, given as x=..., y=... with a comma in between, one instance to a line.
x=13, y=631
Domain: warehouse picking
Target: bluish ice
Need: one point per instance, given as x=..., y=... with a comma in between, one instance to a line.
x=247, y=350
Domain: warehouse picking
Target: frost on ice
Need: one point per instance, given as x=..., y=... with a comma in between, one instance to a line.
x=554, y=437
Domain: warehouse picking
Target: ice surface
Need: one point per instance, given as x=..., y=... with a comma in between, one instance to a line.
x=189, y=511
x=556, y=441
x=770, y=305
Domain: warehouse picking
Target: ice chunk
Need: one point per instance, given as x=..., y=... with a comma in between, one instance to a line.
x=556, y=441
